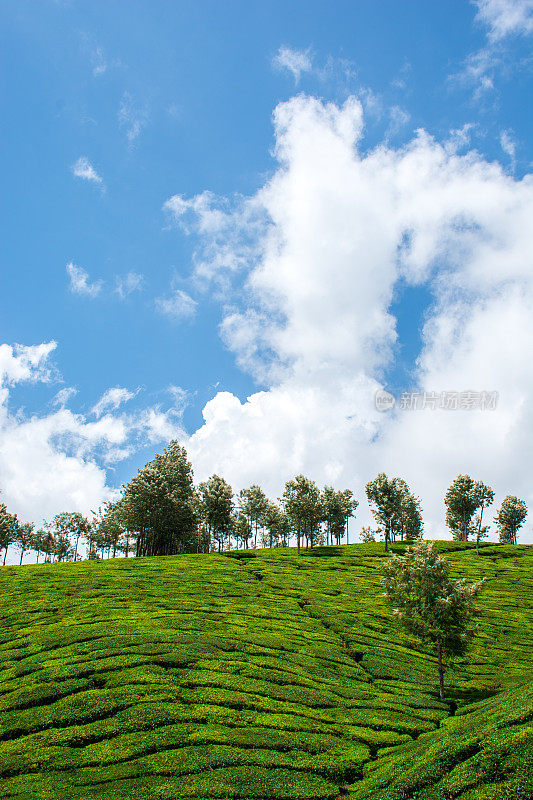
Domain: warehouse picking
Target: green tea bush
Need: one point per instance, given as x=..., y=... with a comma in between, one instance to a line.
x=261, y=675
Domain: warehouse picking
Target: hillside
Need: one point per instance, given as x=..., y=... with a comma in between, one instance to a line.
x=258, y=674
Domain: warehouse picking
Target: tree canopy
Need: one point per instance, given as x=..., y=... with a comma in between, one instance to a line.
x=428, y=603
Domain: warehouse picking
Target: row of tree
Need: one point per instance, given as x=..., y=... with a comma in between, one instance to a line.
x=398, y=512
x=161, y=512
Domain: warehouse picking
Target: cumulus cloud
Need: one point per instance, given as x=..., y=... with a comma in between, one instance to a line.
x=57, y=461
x=505, y=17
x=177, y=305
x=295, y=61
x=80, y=283
x=84, y=169
x=314, y=319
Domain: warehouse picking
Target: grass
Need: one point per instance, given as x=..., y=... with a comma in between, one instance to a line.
x=258, y=674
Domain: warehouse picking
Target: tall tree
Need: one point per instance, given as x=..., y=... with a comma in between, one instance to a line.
x=486, y=498
x=277, y=526
x=9, y=526
x=510, y=518
x=428, y=603
x=217, y=506
x=253, y=503
x=24, y=538
x=158, y=505
x=338, y=507
x=73, y=525
x=395, y=508
x=303, y=505
x=464, y=497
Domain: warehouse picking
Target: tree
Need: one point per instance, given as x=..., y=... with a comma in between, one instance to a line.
x=428, y=603
x=278, y=526
x=9, y=526
x=217, y=506
x=338, y=507
x=242, y=529
x=303, y=506
x=510, y=518
x=486, y=498
x=24, y=538
x=62, y=548
x=109, y=527
x=39, y=542
x=464, y=497
x=367, y=535
x=72, y=525
x=395, y=509
x=158, y=505
x=253, y=503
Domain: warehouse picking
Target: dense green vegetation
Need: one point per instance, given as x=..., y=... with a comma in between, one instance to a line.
x=259, y=674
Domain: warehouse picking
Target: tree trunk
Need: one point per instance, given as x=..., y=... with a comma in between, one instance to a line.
x=5, y=556
x=479, y=530
x=441, y=670
x=21, y=555
x=297, y=536
x=347, y=532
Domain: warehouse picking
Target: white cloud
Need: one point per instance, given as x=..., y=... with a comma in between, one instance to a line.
x=314, y=319
x=177, y=305
x=132, y=117
x=64, y=395
x=56, y=462
x=84, y=169
x=295, y=61
x=505, y=17
x=79, y=281
x=502, y=19
x=508, y=146
x=112, y=399
x=132, y=282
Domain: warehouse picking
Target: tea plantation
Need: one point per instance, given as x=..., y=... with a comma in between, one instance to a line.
x=259, y=674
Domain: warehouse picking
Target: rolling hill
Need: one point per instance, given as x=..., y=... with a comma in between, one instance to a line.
x=259, y=674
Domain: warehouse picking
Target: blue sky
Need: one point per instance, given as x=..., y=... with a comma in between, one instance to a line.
x=112, y=109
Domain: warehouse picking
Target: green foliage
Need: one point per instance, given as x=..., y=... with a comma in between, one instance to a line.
x=510, y=518
x=396, y=510
x=216, y=507
x=303, y=506
x=158, y=504
x=462, y=500
x=9, y=528
x=264, y=676
x=429, y=603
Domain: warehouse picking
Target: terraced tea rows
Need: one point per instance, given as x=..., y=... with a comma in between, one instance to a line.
x=254, y=675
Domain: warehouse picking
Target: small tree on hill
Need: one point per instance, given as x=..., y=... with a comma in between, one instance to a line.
x=395, y=508
x=303, y=506
x=338, y=507
x=464, y=497
x=510, y=518
x=24, y=538
x=9, y=526
x=429, y=603
x=216, y=496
